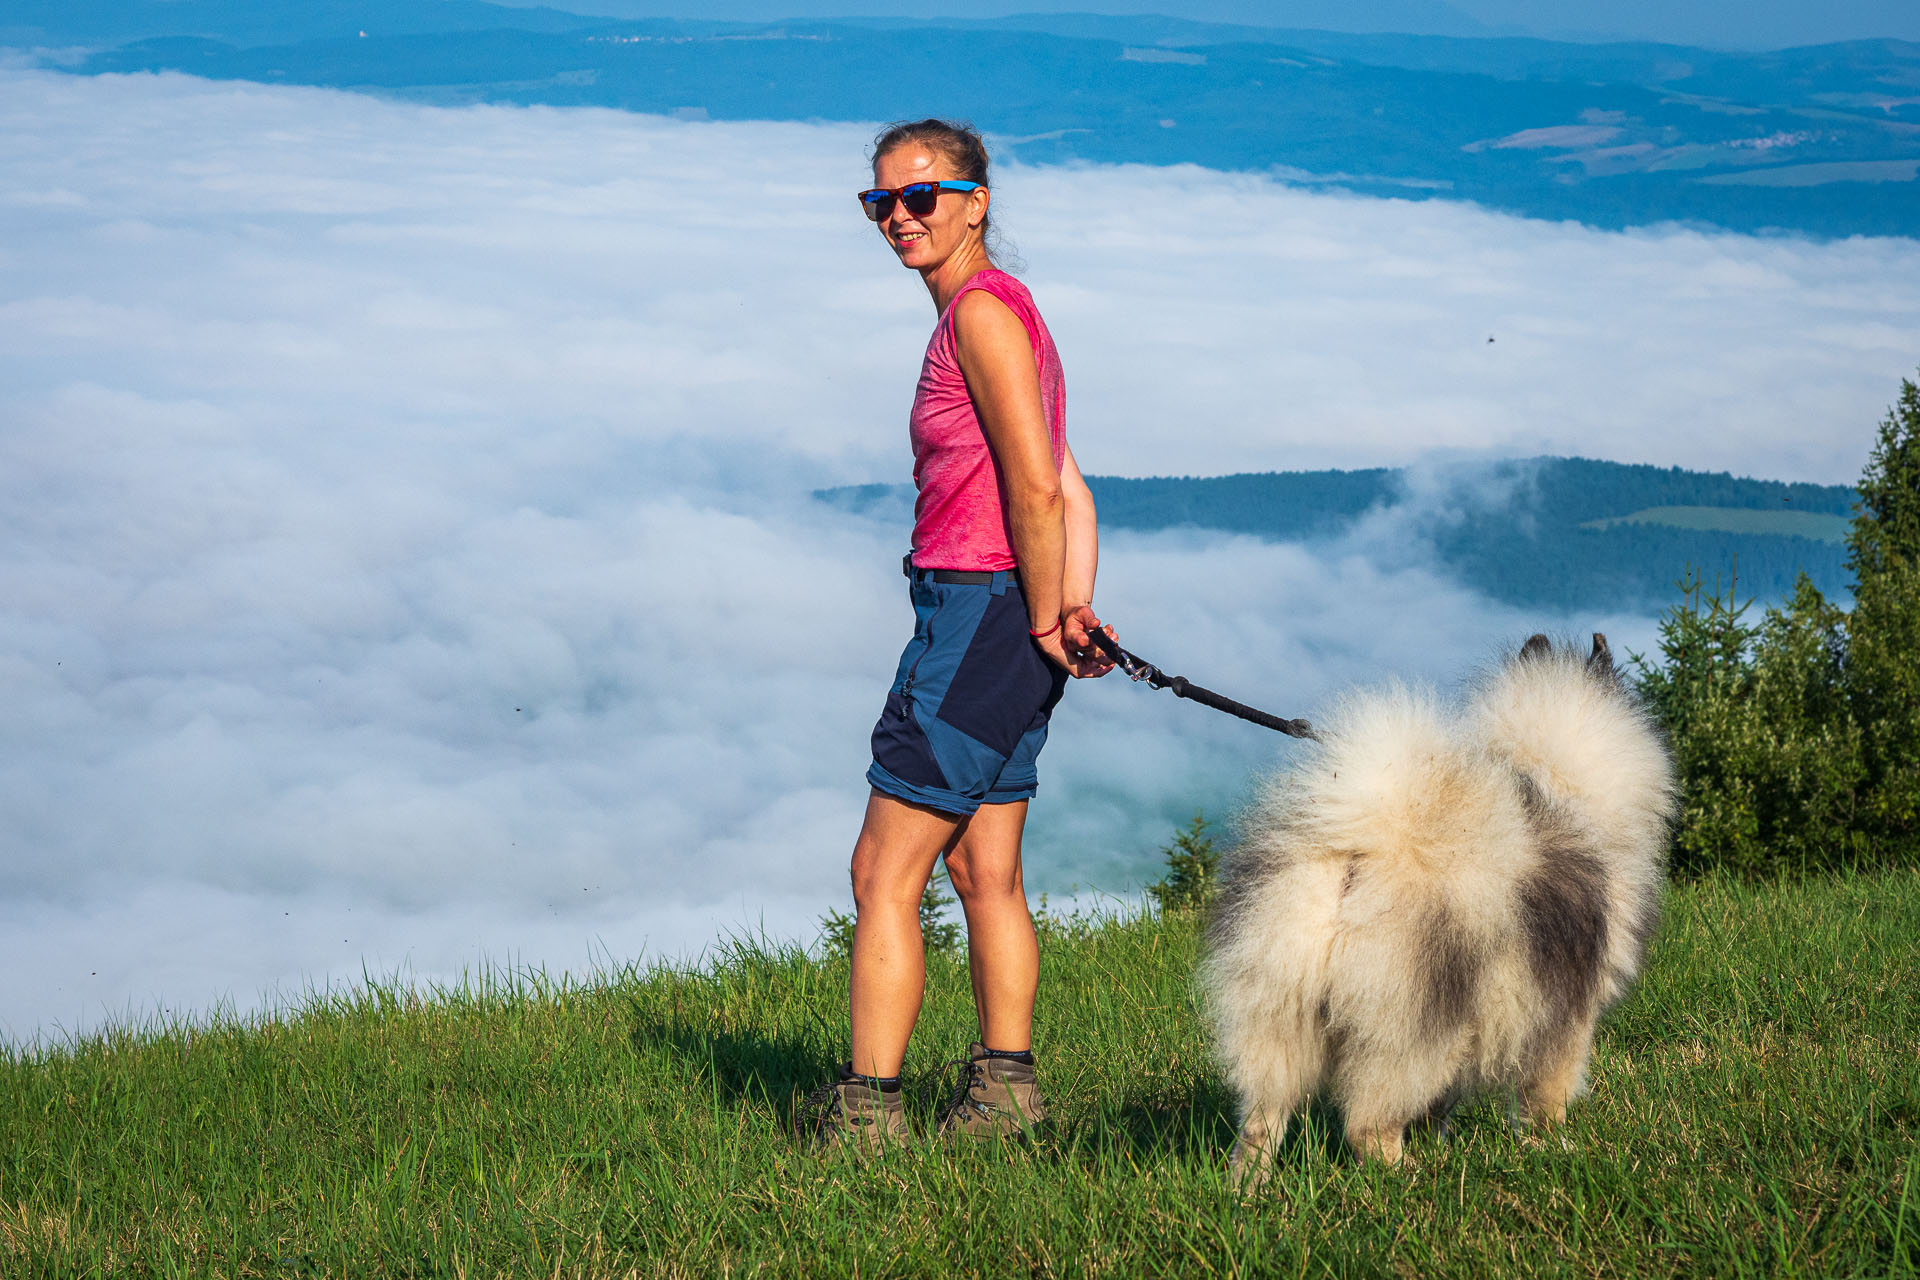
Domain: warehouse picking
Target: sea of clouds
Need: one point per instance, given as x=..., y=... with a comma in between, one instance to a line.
x=407, y=562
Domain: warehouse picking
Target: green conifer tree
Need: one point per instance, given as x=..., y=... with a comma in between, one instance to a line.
x=939, y=933
x=1797, y=742
x=1884, y=629
x=1193, y=869
x=1801, y=745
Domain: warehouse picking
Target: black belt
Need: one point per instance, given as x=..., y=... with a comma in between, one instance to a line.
x=955, y=577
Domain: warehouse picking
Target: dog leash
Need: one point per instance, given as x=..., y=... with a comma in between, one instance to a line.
x=1139, y=669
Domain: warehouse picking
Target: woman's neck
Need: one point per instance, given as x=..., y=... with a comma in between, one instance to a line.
x=946, y=280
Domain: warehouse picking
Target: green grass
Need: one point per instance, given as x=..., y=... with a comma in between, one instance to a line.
x=1753, y=1112
x=1799, y=524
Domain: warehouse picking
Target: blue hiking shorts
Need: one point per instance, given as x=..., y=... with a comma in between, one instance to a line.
x=967, y=714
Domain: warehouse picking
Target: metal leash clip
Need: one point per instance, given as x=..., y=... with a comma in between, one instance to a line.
x=1137, y=669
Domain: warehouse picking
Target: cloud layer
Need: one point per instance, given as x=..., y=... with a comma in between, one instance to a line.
x=408, y=552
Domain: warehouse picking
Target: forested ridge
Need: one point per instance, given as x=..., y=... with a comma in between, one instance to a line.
x=1511, y=529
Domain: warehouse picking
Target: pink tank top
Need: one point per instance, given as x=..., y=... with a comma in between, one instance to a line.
x=959, y=518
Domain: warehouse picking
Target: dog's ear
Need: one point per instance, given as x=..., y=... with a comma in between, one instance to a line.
x=1536, y=647
x=1601, y=659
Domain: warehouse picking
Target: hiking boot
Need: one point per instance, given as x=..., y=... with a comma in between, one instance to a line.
x=852, y=1113
x=992, y=1098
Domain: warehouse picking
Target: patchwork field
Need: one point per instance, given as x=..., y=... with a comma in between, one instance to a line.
x=1754, y=1112
x=1818, y=526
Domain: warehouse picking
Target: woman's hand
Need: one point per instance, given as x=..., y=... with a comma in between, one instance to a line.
x=1077, y=625
x=1071, y=645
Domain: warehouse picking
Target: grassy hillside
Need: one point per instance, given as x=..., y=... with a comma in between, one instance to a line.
x=1754, y=1111
x=1792, y=524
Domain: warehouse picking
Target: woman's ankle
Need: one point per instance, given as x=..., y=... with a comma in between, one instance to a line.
x=1022, y=1056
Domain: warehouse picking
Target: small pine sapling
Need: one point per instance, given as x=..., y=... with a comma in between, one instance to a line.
x=1193, y=869
x=939, y=933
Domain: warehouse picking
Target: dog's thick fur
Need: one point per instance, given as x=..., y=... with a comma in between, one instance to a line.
x=1437, y=901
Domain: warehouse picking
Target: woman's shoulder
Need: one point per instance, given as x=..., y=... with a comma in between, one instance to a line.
x=994, y=293
x=983, y=311
x=1002, y=285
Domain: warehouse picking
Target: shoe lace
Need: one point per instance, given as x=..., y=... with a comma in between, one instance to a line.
x=968, y=1072
x=819, y=1106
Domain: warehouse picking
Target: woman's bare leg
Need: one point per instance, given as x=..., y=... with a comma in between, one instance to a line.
x=892, y=860
x=1002, y=953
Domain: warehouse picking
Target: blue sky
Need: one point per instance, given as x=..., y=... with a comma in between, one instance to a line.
x=408, y=558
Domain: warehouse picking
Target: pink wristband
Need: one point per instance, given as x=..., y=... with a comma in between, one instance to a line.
x=1042, y=635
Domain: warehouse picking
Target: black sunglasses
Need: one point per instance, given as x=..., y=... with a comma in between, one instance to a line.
x=918, y=197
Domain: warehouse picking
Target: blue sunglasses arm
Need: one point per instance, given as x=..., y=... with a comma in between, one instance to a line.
x=878, y=194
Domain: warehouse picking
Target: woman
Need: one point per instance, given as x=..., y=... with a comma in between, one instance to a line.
x=1002, y=568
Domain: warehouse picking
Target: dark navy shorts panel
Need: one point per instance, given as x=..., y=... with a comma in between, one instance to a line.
x=967, y=714
x=901, y=748
x=1001, y=680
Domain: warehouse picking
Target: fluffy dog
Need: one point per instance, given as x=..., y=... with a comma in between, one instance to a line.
x=1437, y=901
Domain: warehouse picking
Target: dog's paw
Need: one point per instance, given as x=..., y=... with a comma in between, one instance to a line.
x=1249, y=1169
x=1541, y=1137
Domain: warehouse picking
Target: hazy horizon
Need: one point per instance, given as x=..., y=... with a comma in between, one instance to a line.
x=1762, y=24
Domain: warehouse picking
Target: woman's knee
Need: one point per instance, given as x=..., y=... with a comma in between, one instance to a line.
x=979, y=887
x=879, y=881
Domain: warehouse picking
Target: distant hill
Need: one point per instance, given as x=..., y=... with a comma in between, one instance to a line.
x=254, y=23
x=1821, y=140
x=1434, y=16
x=1563, y=533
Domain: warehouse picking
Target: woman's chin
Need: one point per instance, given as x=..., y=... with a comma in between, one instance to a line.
x=914, y=253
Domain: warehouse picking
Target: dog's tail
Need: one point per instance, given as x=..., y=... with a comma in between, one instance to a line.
x=1569, y=725
x=1385, y=858
x=1597, y=767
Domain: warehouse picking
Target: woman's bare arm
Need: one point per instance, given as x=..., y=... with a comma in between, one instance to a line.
x=996, y=358
x=1083, y=559
x=1083, y=536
